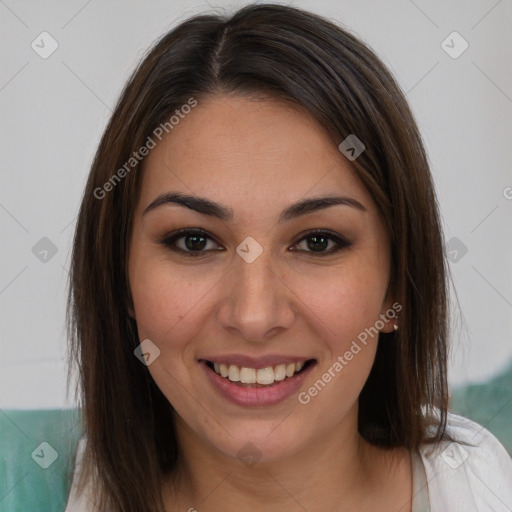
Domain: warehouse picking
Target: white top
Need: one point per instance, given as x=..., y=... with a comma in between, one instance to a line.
x=420, y=498
x=472, y=478
x=448, y=476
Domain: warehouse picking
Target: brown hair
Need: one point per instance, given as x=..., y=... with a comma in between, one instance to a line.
x=295, y=56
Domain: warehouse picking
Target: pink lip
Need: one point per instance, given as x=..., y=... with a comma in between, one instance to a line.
x=255, y=396
x=254, y=362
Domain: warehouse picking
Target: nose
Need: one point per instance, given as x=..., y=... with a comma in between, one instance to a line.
x=257, y=302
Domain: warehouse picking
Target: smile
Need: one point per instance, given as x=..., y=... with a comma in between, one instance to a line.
x=255, y=384
x=263, y=376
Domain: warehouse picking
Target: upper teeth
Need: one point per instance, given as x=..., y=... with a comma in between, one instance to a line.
x=260, y=376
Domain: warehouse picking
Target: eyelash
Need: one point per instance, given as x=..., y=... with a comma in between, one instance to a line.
x=170, y=240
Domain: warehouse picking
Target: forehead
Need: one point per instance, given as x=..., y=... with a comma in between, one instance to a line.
x=249, y=153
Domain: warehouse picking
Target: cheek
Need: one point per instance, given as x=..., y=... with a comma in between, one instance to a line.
x=342, y=302
x=166, y=301
x=345, y=314
x=167, y=306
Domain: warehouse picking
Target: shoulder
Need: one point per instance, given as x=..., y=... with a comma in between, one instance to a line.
x=473, y=471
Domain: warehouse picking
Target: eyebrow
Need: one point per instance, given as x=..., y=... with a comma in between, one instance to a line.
x=219, y=211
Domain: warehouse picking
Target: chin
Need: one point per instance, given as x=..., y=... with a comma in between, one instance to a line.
x=260, y=441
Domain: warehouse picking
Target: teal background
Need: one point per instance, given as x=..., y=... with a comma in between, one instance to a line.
x=24, y=485
x=489, y=404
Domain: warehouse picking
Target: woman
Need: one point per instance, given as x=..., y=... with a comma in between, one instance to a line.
x=258, y=300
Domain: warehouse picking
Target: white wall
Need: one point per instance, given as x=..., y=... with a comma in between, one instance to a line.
x=53, y=112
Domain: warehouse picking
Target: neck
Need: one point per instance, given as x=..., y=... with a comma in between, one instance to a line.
x=339, y=471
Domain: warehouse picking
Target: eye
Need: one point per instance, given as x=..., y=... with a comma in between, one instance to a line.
x=189, y=242
x=318, y=241
x=193, y=242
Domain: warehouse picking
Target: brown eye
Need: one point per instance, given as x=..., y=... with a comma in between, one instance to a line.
x=189, y=242
x=317, y=243
x=194, y=242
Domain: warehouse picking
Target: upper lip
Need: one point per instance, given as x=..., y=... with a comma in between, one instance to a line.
x=245, y=361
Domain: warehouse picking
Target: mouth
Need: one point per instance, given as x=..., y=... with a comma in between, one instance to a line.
x=259, y=377
x=257, y=386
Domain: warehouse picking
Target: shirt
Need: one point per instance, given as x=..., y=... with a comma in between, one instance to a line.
x=471, y=474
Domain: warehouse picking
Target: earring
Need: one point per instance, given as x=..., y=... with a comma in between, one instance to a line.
x=395, y=327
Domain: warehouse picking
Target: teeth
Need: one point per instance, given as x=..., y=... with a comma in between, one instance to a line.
x=248, y=375
x=280, y=372
x=263, y=376
x=224, y=370
x=233, y=373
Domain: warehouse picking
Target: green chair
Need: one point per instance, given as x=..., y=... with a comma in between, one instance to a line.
x=489, y=404
x=37, y=449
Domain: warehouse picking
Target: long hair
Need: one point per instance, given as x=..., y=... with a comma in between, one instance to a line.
x=295, y=56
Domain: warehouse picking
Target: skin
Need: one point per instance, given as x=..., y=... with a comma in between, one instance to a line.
x=257, y=158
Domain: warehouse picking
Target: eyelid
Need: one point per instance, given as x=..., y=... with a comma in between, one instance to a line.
x=318, y=232
x=340, y=241
x=170, y=239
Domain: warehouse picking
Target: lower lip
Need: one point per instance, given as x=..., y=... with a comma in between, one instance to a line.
x=247, y=396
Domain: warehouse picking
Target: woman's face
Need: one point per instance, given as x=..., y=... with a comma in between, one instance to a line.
x=256, y=290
